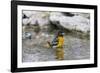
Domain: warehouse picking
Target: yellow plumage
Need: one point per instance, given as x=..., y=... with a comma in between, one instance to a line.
x=60, y=42
x=60, y=50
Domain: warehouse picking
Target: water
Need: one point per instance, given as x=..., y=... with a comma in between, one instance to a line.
x=74, y=49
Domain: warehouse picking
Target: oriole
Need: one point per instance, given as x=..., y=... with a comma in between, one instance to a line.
x=59, y=49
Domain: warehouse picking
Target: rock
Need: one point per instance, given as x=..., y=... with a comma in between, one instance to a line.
x=29, y=13
x=79, y=21
x=27, y=35
x=55, y=16
x=36, y=16
x=76, y=22
x=25, y=21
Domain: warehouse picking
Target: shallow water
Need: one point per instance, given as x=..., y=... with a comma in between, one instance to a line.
x=74, y=49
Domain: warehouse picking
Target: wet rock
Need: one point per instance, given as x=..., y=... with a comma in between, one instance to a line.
x=76, y=21
x=26, y=35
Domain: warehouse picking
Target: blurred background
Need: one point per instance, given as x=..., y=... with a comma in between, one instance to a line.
x=38, y=27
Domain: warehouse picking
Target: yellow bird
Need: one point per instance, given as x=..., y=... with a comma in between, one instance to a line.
x=59, y=49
